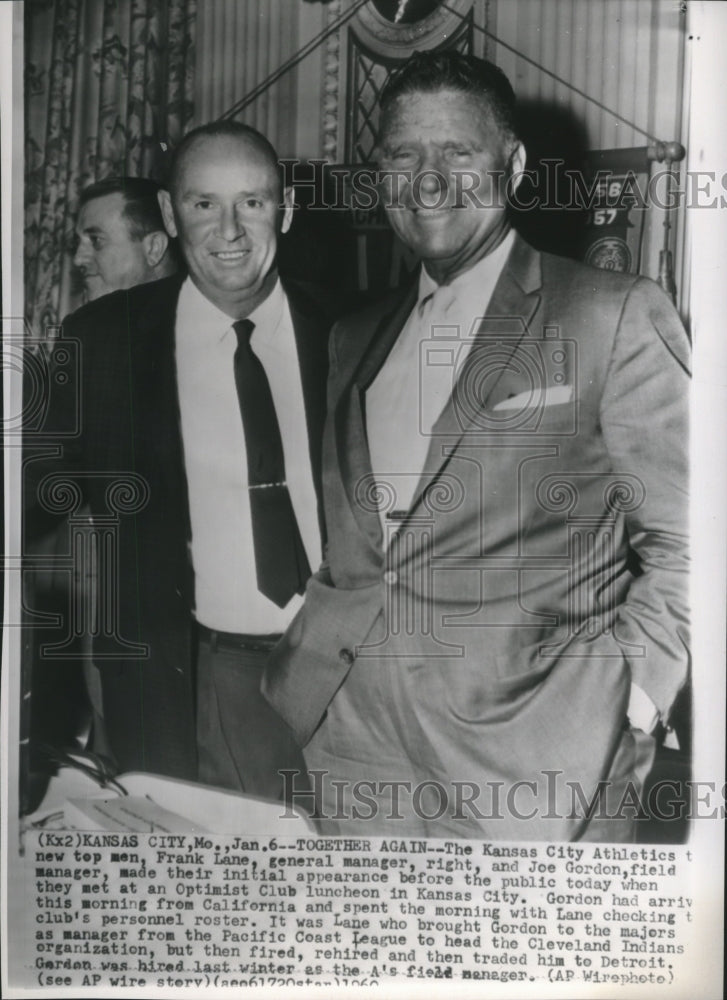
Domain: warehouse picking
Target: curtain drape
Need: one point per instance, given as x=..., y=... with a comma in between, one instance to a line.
x=108, y=85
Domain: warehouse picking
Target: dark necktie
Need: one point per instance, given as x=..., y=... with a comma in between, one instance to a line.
x=280, y=560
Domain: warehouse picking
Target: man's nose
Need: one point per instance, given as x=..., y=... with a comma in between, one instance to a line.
x=82, y=256
x=433, y=180
x=230, y=227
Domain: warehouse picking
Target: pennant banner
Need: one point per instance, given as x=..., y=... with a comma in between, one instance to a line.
x=616, y=190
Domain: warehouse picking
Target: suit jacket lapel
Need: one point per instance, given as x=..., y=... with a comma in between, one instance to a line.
x=479, y=384
x=311, y=340
x=510, y=310
x=158, y=418
x=377, y=349
x=350, y=416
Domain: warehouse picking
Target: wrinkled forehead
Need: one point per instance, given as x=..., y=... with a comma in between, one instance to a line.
x=442, y=108
x=215, y=160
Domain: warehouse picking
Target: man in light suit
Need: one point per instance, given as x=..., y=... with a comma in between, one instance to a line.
x=499, y=630
x=201, y=404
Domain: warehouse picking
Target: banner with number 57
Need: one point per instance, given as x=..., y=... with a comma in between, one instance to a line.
x=618, y=182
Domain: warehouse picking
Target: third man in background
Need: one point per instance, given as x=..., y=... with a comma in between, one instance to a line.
x=121, y=239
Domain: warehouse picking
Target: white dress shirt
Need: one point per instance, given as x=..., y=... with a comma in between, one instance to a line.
x=416, y=380
x=223, y=557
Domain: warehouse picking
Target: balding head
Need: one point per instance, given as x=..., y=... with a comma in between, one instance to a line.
x=227, y=206
x=202, y=137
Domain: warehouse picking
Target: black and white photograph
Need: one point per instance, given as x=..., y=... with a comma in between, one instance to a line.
x=364, y=565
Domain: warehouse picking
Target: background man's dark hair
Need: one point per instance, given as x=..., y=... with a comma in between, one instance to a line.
x=432, y=71
x=141, y=205
x=221, y=129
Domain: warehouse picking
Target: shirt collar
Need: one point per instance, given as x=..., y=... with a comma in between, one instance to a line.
x=484, y=272
x=268, y=314
x=201, y=314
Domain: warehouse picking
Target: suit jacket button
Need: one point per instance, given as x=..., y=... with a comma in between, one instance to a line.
x=346, y=656
x=391, y=577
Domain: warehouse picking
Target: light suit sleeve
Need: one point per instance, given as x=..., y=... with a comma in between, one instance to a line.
x=644, y=417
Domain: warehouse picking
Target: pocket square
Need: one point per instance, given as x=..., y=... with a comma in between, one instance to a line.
x=533, y=398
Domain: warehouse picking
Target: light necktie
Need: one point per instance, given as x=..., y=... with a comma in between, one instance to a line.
x=438, y=352
x=280, y=560
x=433, y=308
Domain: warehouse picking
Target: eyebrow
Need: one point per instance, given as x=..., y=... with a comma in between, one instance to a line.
x=93, y=230
x=259, y=193
x=397, y=144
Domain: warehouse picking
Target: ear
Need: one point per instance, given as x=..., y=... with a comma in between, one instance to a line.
x=155, y=246
x=516, y=163
x=165, y=204
x=288, y=209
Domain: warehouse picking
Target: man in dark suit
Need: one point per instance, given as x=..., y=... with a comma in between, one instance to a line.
x=120, y=241
x=499, y=633
x=120, y=236
x=201, y=404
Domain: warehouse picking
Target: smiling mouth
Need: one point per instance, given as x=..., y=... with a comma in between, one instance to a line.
x=230, y=255
x=422, y=212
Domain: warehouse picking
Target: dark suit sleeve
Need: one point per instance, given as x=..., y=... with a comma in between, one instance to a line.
x=53, y=437
x=644, y=415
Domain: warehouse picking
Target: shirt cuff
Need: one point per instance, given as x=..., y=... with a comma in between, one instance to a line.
x=642, y=712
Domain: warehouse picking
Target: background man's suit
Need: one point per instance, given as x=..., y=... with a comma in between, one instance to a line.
x=545, y=544
x=130, y=424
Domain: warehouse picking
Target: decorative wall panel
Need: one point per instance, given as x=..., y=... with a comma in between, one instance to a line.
x=627, y=54
x=239, y=44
